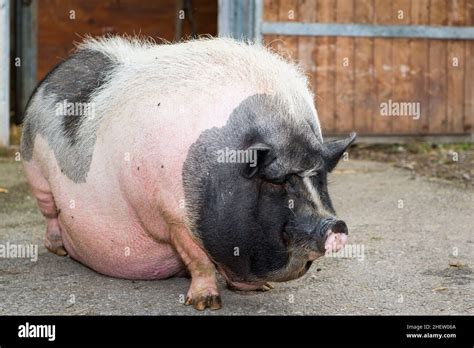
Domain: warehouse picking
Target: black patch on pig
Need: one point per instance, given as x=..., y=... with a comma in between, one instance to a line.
x=28, y=130
x=240, y=220
x=27, y=138
x=74, y=81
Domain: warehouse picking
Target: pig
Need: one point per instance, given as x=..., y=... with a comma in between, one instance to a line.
x=198, y=158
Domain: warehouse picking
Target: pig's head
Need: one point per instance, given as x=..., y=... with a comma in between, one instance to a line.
x=256, y=192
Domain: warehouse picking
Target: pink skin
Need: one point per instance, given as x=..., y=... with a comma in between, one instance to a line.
x=335, y=241
x=128, y=219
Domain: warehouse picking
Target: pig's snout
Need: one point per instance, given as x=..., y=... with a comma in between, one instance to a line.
x=327, y=235
x=335, y=235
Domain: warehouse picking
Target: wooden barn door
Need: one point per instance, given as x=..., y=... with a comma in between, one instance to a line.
x=62, y=22
x=400, y=51
x=47, y=29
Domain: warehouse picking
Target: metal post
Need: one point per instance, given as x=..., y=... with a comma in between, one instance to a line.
x=257, y=21
x=4, y=72
x=28, y=51
x=225, y=18
x=238, y=19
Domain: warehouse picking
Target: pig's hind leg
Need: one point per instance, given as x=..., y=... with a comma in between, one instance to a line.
x=42, y=192
x=53, y=240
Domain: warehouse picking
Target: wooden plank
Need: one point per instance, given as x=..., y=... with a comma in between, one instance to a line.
x=419, y=66
x=401, y=63
x=437, y=68
x=325, y=69
x=455, y=70
x=307, y=12
x=457, y=12
x=344, y=85
x=271, y=9
x=382, y=68
x=58, y=27
x=455, y=90
x=205, y=18
x=364, y=91
x=468, y=122
x=288, y=12
x=271, y=41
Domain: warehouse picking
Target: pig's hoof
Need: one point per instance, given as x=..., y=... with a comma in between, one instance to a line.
x=203, y=301
x=55, y=249
x=249, y=287
x=266, y=287
x=53, y=241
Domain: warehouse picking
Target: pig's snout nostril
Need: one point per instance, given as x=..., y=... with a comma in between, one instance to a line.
x=340, y=227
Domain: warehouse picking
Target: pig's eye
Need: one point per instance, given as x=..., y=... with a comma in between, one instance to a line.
x=276, y=183
x=284, y=183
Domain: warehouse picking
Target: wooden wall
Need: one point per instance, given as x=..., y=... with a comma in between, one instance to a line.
x=348, y=96
x=57, y=30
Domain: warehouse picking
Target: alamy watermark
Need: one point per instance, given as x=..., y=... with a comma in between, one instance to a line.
x=356, y=251
x=66, y=108
x=237, y=156
x=393, y=108
x=28, y=330
x=13, y=251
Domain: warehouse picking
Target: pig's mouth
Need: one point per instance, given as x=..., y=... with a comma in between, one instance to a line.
x=334, y=239
x=235, y=284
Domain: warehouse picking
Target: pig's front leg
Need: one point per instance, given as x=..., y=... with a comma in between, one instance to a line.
x=203, y=292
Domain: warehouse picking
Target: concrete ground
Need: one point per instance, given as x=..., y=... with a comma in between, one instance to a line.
x=418, y=255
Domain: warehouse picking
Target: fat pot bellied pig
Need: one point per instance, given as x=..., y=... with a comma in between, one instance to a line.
x=151, y=161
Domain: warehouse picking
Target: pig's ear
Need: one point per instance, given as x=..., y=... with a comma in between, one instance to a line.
x=259, y=158
x=334, y=150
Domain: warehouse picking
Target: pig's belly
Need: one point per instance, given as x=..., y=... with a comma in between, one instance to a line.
x=116, y=248
x=101, y=230
x=99, y=227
